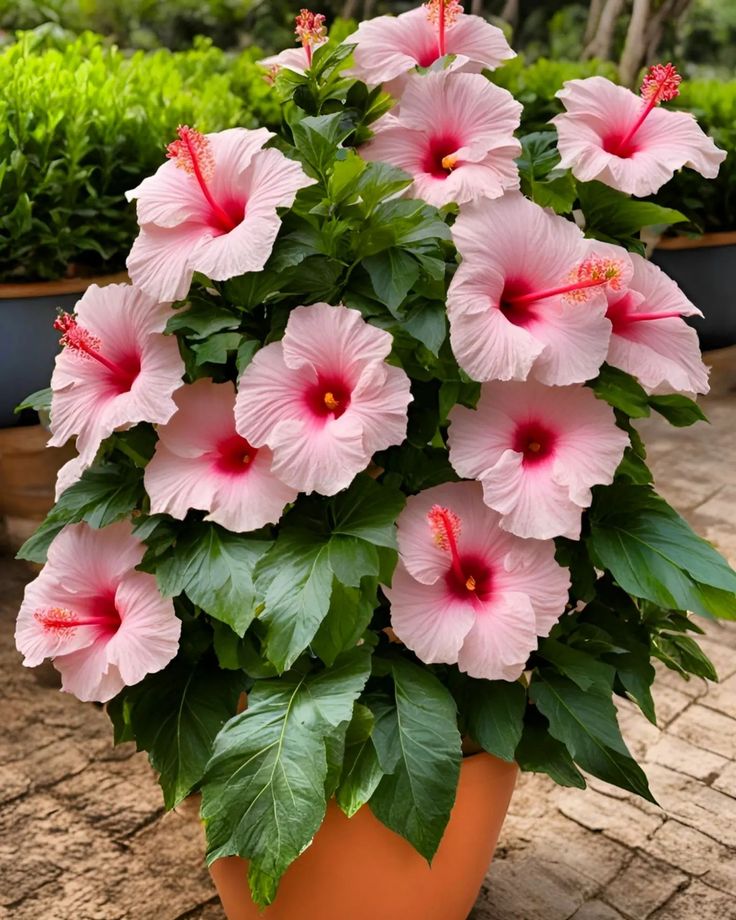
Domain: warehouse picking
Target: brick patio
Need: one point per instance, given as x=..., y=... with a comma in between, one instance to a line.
x=83, y=835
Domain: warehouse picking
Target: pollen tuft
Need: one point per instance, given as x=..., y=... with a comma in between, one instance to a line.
x=331, y=402
x=74, y=336
x=661, y=84
x=436, y=8
x=56, y=619
x=192, y=152
x=445, y=526
x=310, y=28
x=471, y=583
x=594, y=272
x=449, y=162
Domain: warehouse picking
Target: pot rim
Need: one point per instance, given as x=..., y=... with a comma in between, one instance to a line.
x=32, y=289
x=706, y=241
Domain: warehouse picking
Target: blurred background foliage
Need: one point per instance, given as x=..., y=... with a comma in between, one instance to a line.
x=92, y=91
x=700, y=32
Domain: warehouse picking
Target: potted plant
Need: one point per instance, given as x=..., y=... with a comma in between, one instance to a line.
x=705, y=265
x=362, y=522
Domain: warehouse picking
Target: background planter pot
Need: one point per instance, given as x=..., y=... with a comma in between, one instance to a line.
x=29, y=342
x=705, y=269
x=357, y=869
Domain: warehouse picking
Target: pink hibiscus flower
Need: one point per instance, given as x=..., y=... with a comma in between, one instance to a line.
x=467, y=592
x=389, y=46
x=454, y=134
x=211, y=209
x=311, y=32
x=534, y=301
x=202, y=462
x=610, y=134
x=116, y=369
x=104, y=625
x=537, y=451
x=323, y=399
x=650, y=338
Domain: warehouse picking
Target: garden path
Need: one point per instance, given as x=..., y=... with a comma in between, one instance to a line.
x=83, y=835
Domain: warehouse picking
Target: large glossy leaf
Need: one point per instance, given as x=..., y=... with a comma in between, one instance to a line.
x=653, y=553
x=494, y=714
x=361, y=772
x=175, y=716
x=585, y=722
x=263, y=797
x=539, y=752
x=104, y=494
x=214, y=567
x=416, y=799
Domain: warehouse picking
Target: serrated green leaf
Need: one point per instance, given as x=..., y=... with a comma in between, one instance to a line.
x=214, y=568
x=494, y=714
x=586, y=723
x=346, y=620
x=361, y=771
x=263, y=797
x=416, y=799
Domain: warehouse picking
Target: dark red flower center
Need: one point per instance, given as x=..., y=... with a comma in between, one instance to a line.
x=329, y=397
x=535, y=441
x=619, y=145
x=521, y=313
x=235, y=455
x=439, y=159
x=470, y=578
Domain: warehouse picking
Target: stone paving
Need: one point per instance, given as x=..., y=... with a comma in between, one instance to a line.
x=83, y=835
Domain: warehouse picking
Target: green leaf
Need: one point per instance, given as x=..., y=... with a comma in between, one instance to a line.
x=317, y=138
x=295, y=580
x=379, y=182
x=203, y=318
x=637, y=675
x=369, y=511
x=361, y=771
x=318, y=540
x=263, y=797
x=582, y=668
x=104, y=494
x=393, y=273
x=586, y=723
x=40, y=401
x=214, y=568
x=494, y=715
x=416, y=799
x=653, y=553
x=349, y=614
x=613, y=215
x=174, y=716
x=683, y=654
x=539, y=752
x=217, y=348
x=679, y=411
x=343, y=182
x=622, y=391
x=427, y=322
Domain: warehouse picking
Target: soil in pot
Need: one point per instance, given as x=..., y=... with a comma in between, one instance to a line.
x=357, y=869
x=29, y=342
x=705, y=269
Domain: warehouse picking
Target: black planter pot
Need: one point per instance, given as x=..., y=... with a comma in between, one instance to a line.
x=29, y=342
x=705, y=269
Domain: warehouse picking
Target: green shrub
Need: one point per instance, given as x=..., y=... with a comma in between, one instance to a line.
x=82, y=122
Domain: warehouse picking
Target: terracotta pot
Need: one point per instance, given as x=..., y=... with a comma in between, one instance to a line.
x=29, y=341
x=28, y=471
x=705, y=269
x=357, y=869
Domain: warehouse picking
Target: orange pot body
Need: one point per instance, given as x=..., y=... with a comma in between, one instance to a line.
x=357, y=869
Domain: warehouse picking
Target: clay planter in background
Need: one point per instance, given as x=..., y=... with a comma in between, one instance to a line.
x=357, y=869
x=29, y=341
x=705, y=269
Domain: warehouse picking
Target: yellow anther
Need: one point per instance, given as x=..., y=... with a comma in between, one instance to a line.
x=470, y=584
x=331, y=403
x=449, y=162
x=535, y=447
